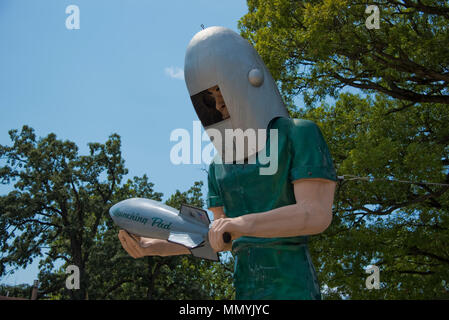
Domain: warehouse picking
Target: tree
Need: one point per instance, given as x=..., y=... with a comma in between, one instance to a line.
x=59, y=207
x=59, y=201
x=316, y=48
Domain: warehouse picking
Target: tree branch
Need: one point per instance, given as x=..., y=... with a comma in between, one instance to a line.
x=416, y=251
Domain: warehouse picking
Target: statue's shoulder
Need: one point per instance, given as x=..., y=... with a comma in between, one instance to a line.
x=295, y=126
x=303, y=123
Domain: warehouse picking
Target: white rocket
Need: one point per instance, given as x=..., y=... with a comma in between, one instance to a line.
x=152, y=219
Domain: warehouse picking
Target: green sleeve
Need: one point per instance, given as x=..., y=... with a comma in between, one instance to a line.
x=213, y=194
x=310, y=154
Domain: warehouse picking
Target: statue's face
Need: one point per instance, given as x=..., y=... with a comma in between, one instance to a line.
x=219, y=101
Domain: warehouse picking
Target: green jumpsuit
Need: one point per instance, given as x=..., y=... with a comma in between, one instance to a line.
x=272, y=268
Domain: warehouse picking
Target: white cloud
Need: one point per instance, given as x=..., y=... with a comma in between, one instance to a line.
x=175, y=73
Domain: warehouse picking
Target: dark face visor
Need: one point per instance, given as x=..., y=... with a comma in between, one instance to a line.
x=210, y=106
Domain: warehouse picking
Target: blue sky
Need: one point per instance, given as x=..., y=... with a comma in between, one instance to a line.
x=119, y=73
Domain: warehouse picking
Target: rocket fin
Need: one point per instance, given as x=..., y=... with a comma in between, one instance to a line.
x=194, y=214
x=190, y=240
x=205, y=251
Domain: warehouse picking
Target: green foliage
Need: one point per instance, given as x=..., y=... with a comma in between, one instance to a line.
x=18, y=291
x=59, y=207
x=318, y=47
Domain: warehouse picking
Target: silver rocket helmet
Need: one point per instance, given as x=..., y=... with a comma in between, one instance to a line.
x=230, y=88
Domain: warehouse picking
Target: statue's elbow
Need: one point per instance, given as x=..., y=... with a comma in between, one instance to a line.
x=324, y=221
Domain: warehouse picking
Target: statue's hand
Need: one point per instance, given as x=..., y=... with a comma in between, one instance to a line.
x=234, y=226
x=136, y=246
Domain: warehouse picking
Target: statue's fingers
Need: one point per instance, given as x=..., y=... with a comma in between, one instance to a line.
x=128, y=245
x=134, y=247
x=135, y=237
x=213, y=239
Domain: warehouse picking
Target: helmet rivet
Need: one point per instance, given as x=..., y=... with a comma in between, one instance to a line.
x=255, y=77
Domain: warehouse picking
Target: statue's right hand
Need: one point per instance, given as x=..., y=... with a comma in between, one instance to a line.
x=137, y=247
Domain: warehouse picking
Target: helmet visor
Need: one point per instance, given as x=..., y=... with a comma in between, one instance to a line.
x=210, y=106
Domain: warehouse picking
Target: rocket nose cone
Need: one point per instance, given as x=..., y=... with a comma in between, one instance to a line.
x=112, y=211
